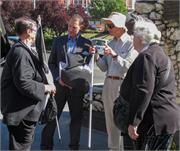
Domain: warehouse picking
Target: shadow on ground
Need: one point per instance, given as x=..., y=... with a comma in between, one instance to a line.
x=99, y=139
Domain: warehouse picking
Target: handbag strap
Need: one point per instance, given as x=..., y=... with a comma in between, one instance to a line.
x=68, y=59
x=65, y=53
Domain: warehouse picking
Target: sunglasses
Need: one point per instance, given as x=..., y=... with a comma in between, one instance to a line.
x=110, y=26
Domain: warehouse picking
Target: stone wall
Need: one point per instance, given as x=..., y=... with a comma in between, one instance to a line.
x=170, y=30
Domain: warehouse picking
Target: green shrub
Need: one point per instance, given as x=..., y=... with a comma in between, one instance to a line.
x=49, y=35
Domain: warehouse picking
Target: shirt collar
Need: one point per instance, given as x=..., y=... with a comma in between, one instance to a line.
x=123, y=37
x=75, y=38
x=30, y=46
x=144, y=48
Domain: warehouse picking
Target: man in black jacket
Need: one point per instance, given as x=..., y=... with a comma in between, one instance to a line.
x=149, y=86
x=22, y=87
x=73, y=43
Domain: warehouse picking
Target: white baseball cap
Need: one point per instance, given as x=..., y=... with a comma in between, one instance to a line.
x=117, y=19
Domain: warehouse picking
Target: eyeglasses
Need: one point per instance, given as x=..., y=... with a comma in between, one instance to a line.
x=110, y=26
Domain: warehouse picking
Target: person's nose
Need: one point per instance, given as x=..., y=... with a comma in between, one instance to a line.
x=70, y=29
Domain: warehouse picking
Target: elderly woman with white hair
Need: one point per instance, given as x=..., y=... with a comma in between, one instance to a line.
x=149, y=87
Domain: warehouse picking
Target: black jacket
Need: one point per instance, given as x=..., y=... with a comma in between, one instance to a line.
x=22, y=88
x=58, y=54
x=147, y=104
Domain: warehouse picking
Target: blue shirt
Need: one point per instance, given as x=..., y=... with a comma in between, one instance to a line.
x=71, y=46
x=72, y=43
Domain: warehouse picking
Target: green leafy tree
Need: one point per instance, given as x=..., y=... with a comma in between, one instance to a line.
x=103, y=8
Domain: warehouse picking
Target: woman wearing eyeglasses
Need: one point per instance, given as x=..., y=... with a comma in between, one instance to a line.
x=22, y=87
x=119, y=53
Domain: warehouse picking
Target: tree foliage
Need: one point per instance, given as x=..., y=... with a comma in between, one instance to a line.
x=103, y=8
x=54, y=16
x=11, y=10
x=79, y=10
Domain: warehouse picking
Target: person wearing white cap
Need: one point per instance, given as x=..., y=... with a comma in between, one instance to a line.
x=119, y=53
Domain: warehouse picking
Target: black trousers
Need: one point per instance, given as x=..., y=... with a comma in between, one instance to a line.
x=129, y=144
x=75, y=103
x=21, y=136
x=151, y=141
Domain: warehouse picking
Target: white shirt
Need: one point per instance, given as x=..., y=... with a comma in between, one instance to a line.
x=126, y=54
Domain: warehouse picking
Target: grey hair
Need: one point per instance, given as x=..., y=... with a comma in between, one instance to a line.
x=147, y=30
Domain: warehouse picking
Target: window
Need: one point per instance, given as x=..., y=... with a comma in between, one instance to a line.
x=130, y=4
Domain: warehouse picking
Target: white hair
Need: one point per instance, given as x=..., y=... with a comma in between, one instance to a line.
x=147, y=30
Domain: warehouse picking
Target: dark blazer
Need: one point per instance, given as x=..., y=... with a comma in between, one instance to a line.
x=22, y=88
x=58, y=54
x=147, y=104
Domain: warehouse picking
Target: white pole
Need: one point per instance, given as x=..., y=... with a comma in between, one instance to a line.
x=46, y=101
x=34, y=4
x=58, y=129
x=121, y=143
x=91, y=100
x=90, y=125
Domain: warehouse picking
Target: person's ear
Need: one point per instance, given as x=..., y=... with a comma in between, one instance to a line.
x=82, y=27
x=29, y=31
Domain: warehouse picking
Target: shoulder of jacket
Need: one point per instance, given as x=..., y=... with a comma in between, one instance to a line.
x=60, y=38
x=153, y=50
x=18, y=53
x=85, y=39
x=147, y=55
x=155, y=46
x=18, y=49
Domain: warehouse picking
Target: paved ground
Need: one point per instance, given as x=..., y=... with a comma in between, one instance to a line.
x=99, y=139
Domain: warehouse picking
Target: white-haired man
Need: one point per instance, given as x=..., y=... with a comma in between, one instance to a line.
x=118, y=56
x=149, y=86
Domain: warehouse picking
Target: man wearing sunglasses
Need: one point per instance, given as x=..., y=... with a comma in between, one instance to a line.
x=119, y=53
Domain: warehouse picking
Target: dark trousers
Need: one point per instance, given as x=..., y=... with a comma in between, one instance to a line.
x=128, y=142
x=21, y=136
x=151, y=141
x=75, y=103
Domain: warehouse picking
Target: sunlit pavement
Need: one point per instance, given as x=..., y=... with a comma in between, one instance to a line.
x=99, y=139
